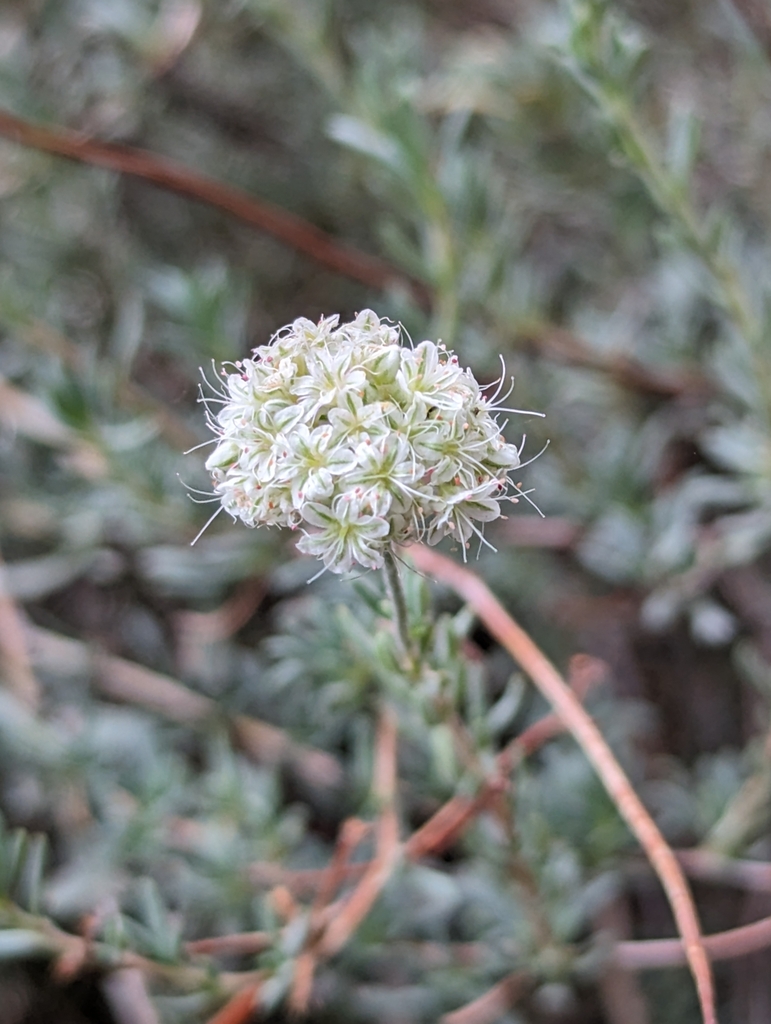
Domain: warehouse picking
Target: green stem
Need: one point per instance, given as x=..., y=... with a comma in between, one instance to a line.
x=395, y=593
x=673, y=201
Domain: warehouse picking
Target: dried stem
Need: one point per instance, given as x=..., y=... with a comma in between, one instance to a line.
x=126, y=994
x=493, y=1004
x=14, y=653
x=387, y=847
x=707, y=866
x=561, y=345
x=582, y=727
x=728, y=945
x=240, y=943
x=287, y=227
x=620, y=992
x=331, y=926
x=240, y=1008
x=552, y=341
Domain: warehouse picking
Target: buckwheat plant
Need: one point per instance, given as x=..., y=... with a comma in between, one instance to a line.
x=360, y=442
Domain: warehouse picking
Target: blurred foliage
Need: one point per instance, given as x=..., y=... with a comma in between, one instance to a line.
x=583, y=188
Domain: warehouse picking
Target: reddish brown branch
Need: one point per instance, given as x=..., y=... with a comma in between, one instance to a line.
x=387, y=848
x=351, y=834
x=553, y=342
x=707, y=866
x=563, y=346
x=126, y=993
x=242, y=943
x=493, y=1004
x=240, y=1008
x=290, y=229
x=333, y=925
x=297, y=233
x=446, y=825
x=551, y=684
x=619, y=990
x=729, y=945
x=451, y=819
x=14, y=653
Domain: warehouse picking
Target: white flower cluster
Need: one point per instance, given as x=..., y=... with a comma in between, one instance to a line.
x=362, y=443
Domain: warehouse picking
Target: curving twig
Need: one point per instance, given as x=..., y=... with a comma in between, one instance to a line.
x=707, y=866
x=552, y=341
x=290, y=229
x=240, y=1008
x=15, y=662
x=355, y=907
x=126, y=994
x=332, y=925
x=578, y=722
x=561, y=345
x=729, y=945
x=493, y=1003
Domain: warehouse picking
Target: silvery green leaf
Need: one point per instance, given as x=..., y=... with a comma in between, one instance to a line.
x=683, y=142
x=615, y=545
x=502, y=713
x=124, y=437
x=742, y=446
x=366, y=139
x=711, y=623
x=34, y=578
x=21, y=943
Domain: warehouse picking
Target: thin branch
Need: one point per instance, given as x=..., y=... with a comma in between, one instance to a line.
x=334, y=925
x=552, y=341
x=240, y=943
x=126, y=994
x=350, y=835
x=561, y=345
x=584, y=674
x=728, y=945
x=451, y=819
x=620, y=992
x=387, y=847
x=707, y=866
x=14, y=653
x=493, y=1004
x=290, y=229
x=80, y=953
x=336, y=873
x=446, y=824
x=240, y=1008
x=548, y=680
x=195, y=632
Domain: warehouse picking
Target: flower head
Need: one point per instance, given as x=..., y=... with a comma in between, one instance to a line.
x=362, y=443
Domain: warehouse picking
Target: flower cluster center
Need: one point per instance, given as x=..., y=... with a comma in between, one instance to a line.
x=359, y=441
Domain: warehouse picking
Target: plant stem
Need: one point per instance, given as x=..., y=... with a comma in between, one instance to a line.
x=672, y=198
x=584, y=730
x=395, y=593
